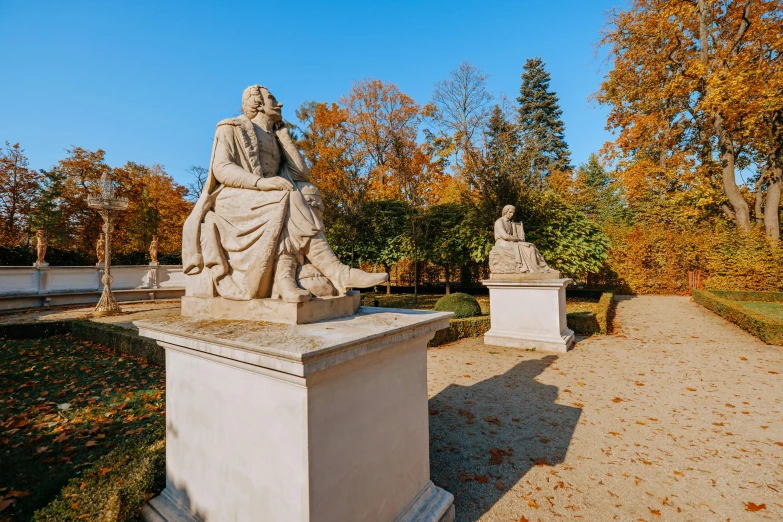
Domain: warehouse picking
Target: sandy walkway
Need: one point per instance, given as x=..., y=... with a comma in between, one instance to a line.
x=678, y=416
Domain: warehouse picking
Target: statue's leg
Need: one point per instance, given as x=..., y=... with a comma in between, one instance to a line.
x=285, y=280
x=342, y=276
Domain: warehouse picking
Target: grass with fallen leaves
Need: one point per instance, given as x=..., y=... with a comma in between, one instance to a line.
x=66, y=404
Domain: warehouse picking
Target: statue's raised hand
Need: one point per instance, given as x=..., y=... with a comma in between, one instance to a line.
x=273, y=183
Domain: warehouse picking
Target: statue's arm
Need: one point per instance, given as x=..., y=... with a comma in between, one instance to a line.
x=294, y=160
x=224, y=166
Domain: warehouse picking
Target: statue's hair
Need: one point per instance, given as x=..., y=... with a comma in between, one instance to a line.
x=251, y=109
x=507, y=208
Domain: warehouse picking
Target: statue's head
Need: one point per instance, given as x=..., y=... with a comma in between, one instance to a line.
x=154, y=239
x=313, y=198
x=257, y=99
x=508, y=211
x=40, y=234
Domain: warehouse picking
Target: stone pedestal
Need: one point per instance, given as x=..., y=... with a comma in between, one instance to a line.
x=272, y=310
x=320, y=422
x=529, y=314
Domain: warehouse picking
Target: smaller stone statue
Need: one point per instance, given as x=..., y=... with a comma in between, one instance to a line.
x=154, y=251
x=41, y=242
x=512, y=254
x=100, y=249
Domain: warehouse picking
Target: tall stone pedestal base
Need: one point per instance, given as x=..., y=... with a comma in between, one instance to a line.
x=323, y=422
x=529, y=314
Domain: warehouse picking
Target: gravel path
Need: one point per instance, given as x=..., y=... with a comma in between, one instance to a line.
x=677, y=416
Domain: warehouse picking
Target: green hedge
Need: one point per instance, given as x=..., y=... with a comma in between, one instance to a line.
x=120, y=339
x=463, y=305
x=117, y=486
x=724, y=304
x=461, y=329
x=764, y=297
x=600, y=322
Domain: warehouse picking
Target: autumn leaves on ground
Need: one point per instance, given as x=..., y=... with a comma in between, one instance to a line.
x=676, y=416
x=65, y=404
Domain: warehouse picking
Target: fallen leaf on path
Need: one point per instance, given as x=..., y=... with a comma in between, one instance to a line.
x=532, y=503
x=500, y=486
x=617, y=399
x=750, y=506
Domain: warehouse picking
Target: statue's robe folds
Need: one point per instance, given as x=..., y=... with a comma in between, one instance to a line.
x=510, y=244
x=236, y=231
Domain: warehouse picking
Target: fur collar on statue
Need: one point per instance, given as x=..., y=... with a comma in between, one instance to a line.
x=249, y=140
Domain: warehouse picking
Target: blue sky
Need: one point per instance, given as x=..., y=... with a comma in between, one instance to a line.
x=147, y=80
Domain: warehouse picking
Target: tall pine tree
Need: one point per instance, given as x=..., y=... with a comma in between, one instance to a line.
x=541, y=128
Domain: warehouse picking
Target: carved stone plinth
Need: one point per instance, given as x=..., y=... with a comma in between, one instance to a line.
x=298, y=423
x=272, y=310
x=529, y=314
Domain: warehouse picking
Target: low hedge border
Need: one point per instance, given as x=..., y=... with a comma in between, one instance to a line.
x=582, y=323
x=120, y=339
x=723, y=303
x=461, y=329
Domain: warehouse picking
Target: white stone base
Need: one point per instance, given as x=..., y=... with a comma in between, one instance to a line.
x=529, y=314
x=272, y=310
x=319, y=422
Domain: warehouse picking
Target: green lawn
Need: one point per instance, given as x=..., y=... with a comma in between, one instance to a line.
x=65, y=404
x=772, y=310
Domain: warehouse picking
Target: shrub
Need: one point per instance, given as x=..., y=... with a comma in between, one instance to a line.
x=463, y=305
x=461, y=329
x=765, y=328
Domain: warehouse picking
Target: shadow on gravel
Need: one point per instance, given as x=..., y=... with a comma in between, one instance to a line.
x=485, y=437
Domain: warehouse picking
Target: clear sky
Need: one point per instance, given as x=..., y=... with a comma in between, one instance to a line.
x=148, y=80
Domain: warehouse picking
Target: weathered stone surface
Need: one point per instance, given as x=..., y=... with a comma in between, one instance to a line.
x=529, y=314
x=272, y=310
x=302, y=423
x=258, y=218
x=511, y=253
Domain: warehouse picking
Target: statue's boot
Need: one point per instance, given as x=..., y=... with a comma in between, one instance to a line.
x=285, y=280
x=342, y=276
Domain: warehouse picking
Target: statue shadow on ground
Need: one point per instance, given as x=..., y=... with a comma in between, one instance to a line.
x=485, y=437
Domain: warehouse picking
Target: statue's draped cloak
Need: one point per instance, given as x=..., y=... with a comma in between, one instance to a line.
x=236, y=231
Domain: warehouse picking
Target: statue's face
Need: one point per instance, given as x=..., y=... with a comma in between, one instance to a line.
x=509, y=213
x=271, y=107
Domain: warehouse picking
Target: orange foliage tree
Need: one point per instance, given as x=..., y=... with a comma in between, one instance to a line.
x=690, y=86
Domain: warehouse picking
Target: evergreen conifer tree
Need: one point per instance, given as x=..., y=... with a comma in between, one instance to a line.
x=541, y=128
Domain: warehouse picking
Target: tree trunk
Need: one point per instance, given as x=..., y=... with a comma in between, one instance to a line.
x=737, y=202
x=448, y=280
x=772, y=206
x=759, y=201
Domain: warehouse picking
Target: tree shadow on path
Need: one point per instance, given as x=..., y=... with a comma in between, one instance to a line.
x=485, y=437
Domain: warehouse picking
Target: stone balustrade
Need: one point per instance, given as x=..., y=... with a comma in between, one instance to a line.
x=32, y=287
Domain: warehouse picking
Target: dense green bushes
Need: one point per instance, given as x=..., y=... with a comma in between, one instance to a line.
x=461, y=329
x=463, y=305
x=725, y=304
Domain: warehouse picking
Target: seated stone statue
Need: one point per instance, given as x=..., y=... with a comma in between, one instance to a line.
x=511, y=253
x=252, y=227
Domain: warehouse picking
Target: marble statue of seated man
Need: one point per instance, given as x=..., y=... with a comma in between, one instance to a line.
x=511, y=253
x=252, y=225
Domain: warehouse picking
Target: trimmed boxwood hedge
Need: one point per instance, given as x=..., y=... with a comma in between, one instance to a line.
x=461, y=329
x=724, y=304
x=120, y=339
x=463, y=305
x=586, y=323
